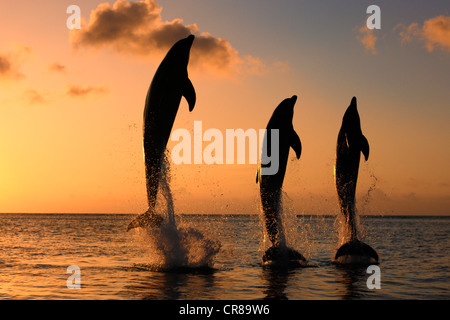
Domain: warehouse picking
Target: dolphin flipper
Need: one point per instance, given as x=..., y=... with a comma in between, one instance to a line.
x=295, y=143
x=189, y=94
x=364, y=147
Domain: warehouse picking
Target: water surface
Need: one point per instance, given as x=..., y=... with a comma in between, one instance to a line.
x=36, y=250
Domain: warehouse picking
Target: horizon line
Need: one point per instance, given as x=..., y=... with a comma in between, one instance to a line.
x=229, y=214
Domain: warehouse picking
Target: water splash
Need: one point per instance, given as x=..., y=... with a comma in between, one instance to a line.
x=343, y=229
x=294, y=235
x=171, y=246
x=298, y=232
x=341, y=224
x=289, y=220
x=368, y=196
x=165, y=190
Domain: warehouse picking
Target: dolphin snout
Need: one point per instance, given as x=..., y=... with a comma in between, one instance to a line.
x=190, y=38
x=353, y=102
x=293, y=99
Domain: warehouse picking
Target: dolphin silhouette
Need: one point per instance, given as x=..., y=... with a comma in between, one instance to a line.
x=169, y=84
x=350, y=143
x=271, y=184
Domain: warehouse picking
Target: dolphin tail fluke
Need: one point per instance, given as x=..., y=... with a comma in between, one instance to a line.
x=357, y=253
x=146, y=220
x=189, y=94
x=283, y=256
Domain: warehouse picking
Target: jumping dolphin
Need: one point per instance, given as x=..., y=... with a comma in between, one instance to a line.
x=169, y=84
x=350, y=143
x=271, y=184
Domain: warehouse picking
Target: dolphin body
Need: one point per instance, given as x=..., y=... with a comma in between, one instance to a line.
x=169, y=84
x=350, y=143
x=271, y=185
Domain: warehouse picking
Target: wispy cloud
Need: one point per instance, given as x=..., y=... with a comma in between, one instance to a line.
x=137, y=28
x=11, y=61
x=56, y=67
x=82, y=91
x=32, y=96
x=368, y=39
x=5, y=66
x=435, y=33
x=283, y=66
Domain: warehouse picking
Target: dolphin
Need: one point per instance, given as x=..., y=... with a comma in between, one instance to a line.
x=350, y=143
x=169, y=84
x=271, y=184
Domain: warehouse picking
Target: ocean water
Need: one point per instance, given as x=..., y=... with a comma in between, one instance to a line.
x=37, y=249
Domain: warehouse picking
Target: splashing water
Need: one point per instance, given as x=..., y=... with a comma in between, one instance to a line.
x=295, y=235
x=343, y=229
x=171, y=246
x=341, y=224
x=368, y=197
x=166, y=191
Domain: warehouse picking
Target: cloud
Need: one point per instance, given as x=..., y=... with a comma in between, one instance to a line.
x=435, y=33
x=11, y=61
x=56, y=67
x=137, y=28
x=9, y=67
x=407, y=34
x=5, y=65
x=80, y=91
x=368, y=39
x=34, y=97
x=282, y=66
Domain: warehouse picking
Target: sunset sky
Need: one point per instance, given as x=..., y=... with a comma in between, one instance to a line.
x=71, y=102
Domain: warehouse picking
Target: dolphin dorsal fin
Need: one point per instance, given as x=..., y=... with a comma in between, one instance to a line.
x=189, y=93
x=295, y=143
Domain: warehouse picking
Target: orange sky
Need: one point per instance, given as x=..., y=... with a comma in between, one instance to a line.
x=71, y=107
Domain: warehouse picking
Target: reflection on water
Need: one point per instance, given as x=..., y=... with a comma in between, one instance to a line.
x=275, y=282
x=352, y=282
x=37, y=249
x=172, y=285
